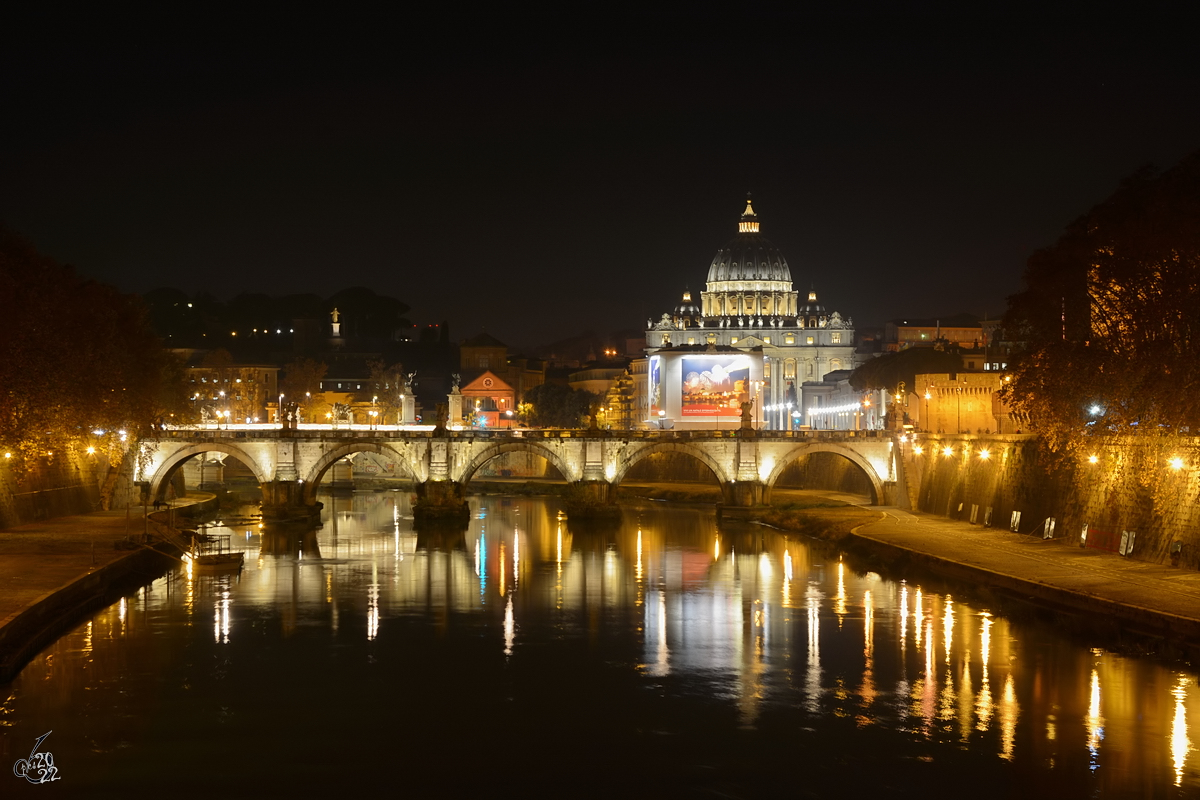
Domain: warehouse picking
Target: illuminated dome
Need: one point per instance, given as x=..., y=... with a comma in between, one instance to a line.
x=749, y=277
x=749, y=256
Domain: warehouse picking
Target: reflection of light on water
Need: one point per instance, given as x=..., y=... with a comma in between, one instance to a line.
x=655, y=626
x=716, y=547
x=983, y=708
x=1008, y=719
x=516, y=558
x=787, y=580
x=510, y=628
x=221, y=618
x=948, y=626
x=1095, y=722
x=372, y=611
x=121, y=614
x=812, y=682
x=764, y=568
x=903, y=614
x=839, y=605
x=503, y=569
x=868, y=683
x=1180, y=744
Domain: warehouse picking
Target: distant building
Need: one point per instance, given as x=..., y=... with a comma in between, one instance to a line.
x=964, y=402
x=750, y=322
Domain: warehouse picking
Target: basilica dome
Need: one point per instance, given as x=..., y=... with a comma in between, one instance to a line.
x=749, y=277
x=749, y=256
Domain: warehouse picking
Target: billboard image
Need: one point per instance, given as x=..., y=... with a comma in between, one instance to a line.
x=715, y=385
x=655, y=385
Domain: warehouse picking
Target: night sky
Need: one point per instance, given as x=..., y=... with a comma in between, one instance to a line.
x=536, y=178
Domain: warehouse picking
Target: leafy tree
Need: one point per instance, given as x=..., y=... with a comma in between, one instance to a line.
x=387, y=387
x=78, y=357
x=301, y=384
x=1109, y=320
x=553, y=405
x=890, y=369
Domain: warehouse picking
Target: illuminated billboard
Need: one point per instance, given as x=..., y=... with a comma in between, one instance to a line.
x=715, y=385
x=655, y=385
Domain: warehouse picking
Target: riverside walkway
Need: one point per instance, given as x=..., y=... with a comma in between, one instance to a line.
x=51, y=569
x=1155, y=599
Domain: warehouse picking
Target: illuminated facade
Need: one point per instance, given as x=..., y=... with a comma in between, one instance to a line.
x=748, y=305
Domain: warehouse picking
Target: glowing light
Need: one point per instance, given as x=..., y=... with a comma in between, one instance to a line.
x=1176, y=463
x=917, y=449
x=1093, y=459
x=947, y=451
x=1095, y=721
x=984, y=455
x=91, y=451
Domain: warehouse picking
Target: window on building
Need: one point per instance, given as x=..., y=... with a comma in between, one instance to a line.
x=691, y=340
x=835, y=363
x=666, y=339
x=712, y=338
x=733, y=340
x=837, y=337
x=808, y=340
x=789, y=369
x=790, y=339
x=809, y=371
x=766, y=369
x=767, y=339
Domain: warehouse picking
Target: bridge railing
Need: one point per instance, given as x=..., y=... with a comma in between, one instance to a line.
x=342, y=434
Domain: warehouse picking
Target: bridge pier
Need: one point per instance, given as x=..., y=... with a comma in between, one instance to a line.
x=744, y=494
x=440, y=500
x=283, y=501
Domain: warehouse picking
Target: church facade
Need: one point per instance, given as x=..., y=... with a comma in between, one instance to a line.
x=752, y=338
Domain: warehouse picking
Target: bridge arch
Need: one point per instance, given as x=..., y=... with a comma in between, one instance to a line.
x=326, y=462
x=162, y=475
x=536, y=449
x=628, y=461
x=849, y=453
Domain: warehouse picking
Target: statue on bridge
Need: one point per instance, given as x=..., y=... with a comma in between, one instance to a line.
x=747, y=419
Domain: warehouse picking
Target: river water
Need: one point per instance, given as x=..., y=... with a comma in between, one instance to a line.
x=670, y=656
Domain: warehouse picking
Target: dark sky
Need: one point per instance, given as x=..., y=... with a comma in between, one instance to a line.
x=540, y=177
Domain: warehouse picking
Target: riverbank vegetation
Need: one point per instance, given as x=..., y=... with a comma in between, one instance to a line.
x=82, y=371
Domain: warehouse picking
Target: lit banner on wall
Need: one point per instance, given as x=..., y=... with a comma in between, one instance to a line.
x=715, y=385
x=655, y=387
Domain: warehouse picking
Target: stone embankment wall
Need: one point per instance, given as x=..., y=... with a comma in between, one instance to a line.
x=63, y=485
x=1131, y=487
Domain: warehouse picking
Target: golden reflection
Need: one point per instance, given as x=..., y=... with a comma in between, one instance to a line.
x=983, y=707
x=903, y=614
x=503, y=590
x=839, y=605
x=1095, y=721
x=716, y=548
x=1180, y=744
x=948, y=626
x=918, y=617
x=1008, y=719
x=867, y=691
x=786, y=583
x=121, y=615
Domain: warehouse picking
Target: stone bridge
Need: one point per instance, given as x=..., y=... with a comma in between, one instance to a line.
x=290, y=464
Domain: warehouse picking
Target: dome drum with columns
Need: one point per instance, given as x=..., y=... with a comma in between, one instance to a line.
x=748, y=303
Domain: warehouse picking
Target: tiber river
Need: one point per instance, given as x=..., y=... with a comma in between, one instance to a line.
x=671, y=657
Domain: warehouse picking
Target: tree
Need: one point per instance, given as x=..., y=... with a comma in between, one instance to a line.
x=553, y=405
x=387, y=388
x=301, y=381
x=78, y=357
x=1109, y=321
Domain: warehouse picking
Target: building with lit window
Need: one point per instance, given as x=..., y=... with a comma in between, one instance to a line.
x=751, y=339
